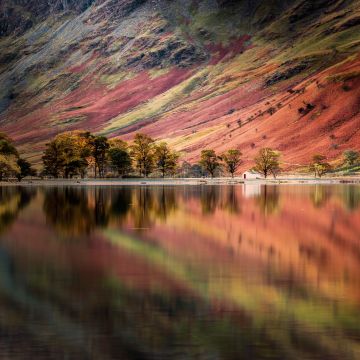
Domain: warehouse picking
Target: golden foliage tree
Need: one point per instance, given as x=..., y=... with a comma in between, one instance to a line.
x=232, y=160
x=143, y=154
x=166, y=159
x=267, y=162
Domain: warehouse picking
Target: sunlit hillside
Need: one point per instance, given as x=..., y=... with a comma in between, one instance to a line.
x=198, y=74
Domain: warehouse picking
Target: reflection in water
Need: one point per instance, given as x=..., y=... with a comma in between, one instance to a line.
x=320, y=195
x=351, y=197
x=75, y=211
x=210, y=198
x=180, y=272
x=12, y=201
x=268, y=200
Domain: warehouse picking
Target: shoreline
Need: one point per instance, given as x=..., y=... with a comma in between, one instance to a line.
x=183, y=182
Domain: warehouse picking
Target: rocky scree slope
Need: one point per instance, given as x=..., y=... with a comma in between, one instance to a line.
x=210, y=73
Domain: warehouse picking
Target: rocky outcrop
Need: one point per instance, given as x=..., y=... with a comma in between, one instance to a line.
x=171, y=53
x=286, y=74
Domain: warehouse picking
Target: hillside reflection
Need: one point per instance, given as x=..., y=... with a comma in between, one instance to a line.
x=208, y=272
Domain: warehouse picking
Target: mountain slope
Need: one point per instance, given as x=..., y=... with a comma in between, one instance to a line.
x=209, y=73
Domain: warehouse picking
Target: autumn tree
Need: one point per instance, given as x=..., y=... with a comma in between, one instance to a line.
x=267, y=162
x=118, y=143
x=143, y=154
x=67, y=155
x=8, y=167
x=232, y=160
x=319, y=166
x=7, y=147
x=8, y=157
x=25, y=169
x=75, y=149
x=53, y=159
x=119, y=158
x=351, y=157
x=166, y=160
x=99, y=148
x=209, y=161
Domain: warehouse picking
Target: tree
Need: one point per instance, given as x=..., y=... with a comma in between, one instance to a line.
x=143, y=154
x=118, y=143
x=67, y=155
x=71, y=147
x=7, y=147
x=232, y=160
x=166, y=160
x=8, y=157
x=53, y=159
x=351, y=157
x=120, y=160
x=8, y=166
x=100, y=146
x=209, y=161
x=267, y=162
x=25, y=169
x=319, y=166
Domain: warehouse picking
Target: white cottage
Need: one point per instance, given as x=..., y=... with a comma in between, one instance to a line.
x=251, y=175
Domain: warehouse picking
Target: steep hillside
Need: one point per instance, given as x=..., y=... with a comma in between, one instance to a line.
x=198, y=73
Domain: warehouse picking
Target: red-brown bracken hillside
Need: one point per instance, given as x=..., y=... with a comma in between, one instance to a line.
x=199, y=74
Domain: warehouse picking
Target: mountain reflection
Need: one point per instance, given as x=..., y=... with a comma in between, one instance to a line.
x=208, y=272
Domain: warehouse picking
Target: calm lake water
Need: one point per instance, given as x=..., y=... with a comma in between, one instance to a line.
x=212, y=272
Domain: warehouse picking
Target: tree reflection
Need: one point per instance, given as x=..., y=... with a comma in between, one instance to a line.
x=268, y=200
x=320, y=195
x=121, y=202
x=149, y=204
x=351, y=197
x=143, y=199
x=77, y=211
x=210, y=199
x=12, y=201
x=232, y=203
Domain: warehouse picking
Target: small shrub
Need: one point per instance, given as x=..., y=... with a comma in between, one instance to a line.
x=305, y=110
x=271, y=111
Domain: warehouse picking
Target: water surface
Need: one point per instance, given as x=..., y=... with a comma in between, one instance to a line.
x=192, y=272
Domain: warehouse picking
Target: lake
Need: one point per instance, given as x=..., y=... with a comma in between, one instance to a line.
x=180, y=272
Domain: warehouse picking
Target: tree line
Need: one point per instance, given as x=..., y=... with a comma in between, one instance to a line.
x=82, y=154
x=73, y=154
